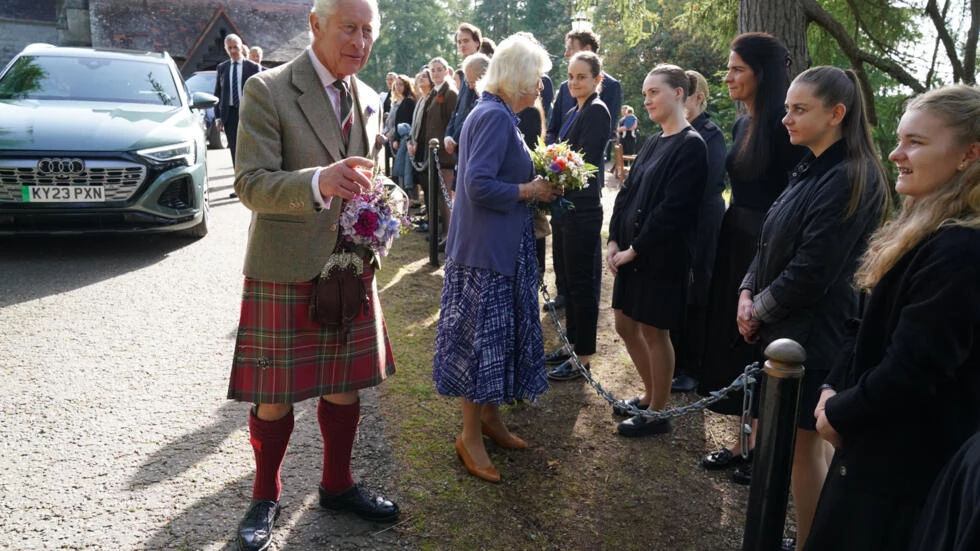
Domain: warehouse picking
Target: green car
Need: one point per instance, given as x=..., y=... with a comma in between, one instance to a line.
x=100, y=141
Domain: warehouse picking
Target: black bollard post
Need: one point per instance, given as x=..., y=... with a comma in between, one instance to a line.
x=432, y=203
x=773, y=461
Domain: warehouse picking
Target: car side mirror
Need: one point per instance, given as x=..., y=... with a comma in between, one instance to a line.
x=201, y=100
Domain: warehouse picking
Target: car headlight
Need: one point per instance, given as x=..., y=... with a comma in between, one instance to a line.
x=184, y=153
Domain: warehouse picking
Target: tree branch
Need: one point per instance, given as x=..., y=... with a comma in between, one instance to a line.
x=932, y=10
x=970, y=51
x=851, y=49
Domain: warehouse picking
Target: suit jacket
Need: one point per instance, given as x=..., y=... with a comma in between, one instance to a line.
x=611, y=94
x=288, y=130
x=583, y=135
x=465, y=101
x=222, y=86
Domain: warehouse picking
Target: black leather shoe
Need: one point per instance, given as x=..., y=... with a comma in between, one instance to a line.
x=620, y=408
x=360, y=501
x=643, y=426
x=683, y=383
x=559, y=356
x=255, y=529
x=722, y=459
x=559, y=302
x=743, y=474
x=566, y=371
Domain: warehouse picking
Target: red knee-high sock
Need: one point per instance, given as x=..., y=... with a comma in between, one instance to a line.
x=269, y=441
x=338, y=426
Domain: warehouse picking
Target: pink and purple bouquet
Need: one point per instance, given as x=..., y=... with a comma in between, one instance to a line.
x=375, y=217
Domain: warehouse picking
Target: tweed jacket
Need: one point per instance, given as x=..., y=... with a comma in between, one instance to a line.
x=288, y=130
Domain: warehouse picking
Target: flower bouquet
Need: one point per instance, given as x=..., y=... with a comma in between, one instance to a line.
x=562, y=167
x=374, y=217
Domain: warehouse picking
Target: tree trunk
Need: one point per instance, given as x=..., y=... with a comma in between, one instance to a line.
x=782, y=18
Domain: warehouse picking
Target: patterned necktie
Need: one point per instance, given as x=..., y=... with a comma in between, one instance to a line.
x=346, y=102
x=234, y=83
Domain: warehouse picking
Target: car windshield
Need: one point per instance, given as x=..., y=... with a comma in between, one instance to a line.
x=82, y=78
x=201, y=82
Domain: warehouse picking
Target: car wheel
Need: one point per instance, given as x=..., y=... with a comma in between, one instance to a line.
x=201, y=229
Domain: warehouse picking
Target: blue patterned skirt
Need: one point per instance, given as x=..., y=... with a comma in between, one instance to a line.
x=488, y=346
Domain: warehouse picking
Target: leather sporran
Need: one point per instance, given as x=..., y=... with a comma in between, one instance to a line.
x=339, y=293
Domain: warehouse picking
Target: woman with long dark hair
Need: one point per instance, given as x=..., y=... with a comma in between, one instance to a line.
x=799, y=285
x=758, y=164
x=402, y=109
x=904, y=397
x=651, y=236
x=580, y=244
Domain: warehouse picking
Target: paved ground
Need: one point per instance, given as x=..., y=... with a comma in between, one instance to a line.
x=115, y=432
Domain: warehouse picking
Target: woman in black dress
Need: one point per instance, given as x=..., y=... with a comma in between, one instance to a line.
x=579, y=245
x=651, y=236
x=799, y=285
x=905, y=397
x=758, y=164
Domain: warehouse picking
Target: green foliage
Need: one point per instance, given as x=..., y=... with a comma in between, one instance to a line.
x=664, y=43
x=412, y=33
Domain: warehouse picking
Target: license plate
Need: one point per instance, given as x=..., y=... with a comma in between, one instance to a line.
x=62, y=194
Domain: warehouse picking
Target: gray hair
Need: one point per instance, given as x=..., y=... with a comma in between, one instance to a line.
x=517, y=66
x=234, y=37
x=324, y=9
x=477, y=61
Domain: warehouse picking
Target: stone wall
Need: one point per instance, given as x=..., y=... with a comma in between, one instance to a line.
x=15, y=34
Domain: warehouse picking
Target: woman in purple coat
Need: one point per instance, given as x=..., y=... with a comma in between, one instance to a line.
x=489, y=349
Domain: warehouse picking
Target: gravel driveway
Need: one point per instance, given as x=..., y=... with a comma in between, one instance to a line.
x=116, y=433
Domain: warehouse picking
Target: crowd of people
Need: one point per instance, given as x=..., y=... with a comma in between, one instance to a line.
x=887, y=306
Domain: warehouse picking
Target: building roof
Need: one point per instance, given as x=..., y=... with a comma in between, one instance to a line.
x=30, y=10
x=177, y=26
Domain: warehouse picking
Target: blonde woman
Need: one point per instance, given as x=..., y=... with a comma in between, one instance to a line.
x=904, y=398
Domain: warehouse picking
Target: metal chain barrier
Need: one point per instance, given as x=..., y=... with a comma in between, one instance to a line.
x=442, y=183
x=746, y=381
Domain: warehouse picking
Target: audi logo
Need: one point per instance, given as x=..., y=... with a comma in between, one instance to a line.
x=60, y=166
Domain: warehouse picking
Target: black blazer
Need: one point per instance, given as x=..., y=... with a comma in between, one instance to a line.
x=805, y=260
x=222, y=86
x=585, y=134
x=909, y=394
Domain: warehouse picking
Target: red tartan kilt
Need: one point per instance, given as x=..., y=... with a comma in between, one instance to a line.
x=283, y=357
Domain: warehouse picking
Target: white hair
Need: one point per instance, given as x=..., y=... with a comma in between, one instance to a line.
x=235, y=37
x=517, y=66
x=324, y=9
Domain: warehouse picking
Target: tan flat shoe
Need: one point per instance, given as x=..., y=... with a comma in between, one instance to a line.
x=511, y=441
x=490, y=474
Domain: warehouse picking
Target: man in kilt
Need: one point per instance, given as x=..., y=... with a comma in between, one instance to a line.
x=306, y=127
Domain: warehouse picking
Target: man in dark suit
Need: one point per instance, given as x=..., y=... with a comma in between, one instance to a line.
x=468, y=39
x=228, y=87
x=612, y=95
x=307, y=127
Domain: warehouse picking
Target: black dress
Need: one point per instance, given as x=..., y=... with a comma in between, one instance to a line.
x=656, y=213
x=909, y=395
x=725, y=352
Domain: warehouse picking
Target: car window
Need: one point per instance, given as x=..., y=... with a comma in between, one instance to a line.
x=89, y=79
x=201, y=82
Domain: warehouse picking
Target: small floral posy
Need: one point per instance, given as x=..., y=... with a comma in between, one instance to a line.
x=374, y=218
x=563, y=167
